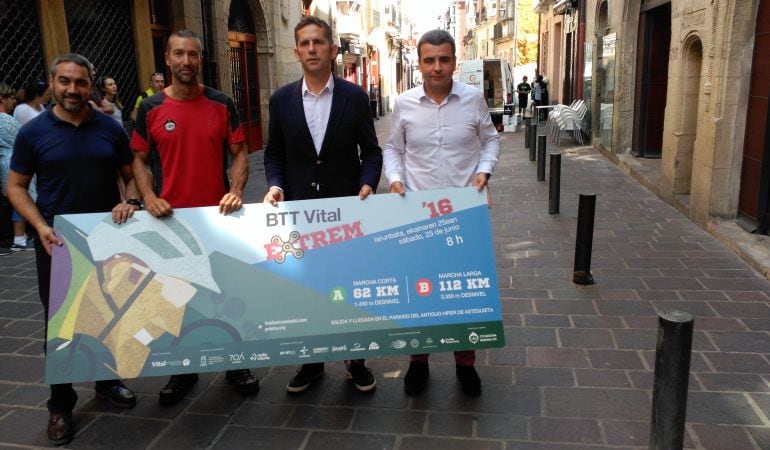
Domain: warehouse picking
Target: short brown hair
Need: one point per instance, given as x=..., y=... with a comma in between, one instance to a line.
x=184, y=34
x=313, y=20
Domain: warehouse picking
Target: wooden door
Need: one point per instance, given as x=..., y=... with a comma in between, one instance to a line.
x=652, y=75
x=755, y=179
x=245, y=82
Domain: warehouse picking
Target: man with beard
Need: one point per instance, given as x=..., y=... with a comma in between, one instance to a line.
x=77, y=154
x=191, y=128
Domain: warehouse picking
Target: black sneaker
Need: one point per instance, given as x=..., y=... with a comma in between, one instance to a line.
x=305, y=376
x=362, y=376
x=116, y=393
x=416, y=377
x=28, y=246
x=470, y=383
x=243, y=380
x=177, y=387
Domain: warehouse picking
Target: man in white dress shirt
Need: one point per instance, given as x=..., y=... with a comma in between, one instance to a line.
x=442, y=136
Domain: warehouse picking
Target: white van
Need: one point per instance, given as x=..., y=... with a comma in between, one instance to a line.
x=494, y=78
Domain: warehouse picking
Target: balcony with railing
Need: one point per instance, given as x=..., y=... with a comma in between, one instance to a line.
x=506, y=10
x=505, y=29
x=350, y=20
x=347, y=6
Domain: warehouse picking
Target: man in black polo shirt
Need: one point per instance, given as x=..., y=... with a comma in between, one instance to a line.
x=77, y=154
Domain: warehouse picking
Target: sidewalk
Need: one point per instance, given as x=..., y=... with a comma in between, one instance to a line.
x=576, y=372
x=753, y=248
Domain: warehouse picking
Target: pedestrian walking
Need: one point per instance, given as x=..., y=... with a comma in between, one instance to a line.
x=373, y=96
x=523, y=89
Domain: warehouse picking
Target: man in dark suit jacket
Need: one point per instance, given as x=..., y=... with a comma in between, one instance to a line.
x=321, y=144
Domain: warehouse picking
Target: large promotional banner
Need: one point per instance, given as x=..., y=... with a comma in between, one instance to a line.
x=305, y=281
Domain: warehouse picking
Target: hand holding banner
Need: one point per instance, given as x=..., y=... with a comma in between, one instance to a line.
x=304, y=281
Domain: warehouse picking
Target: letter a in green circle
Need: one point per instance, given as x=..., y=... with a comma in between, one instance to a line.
x=338, y=294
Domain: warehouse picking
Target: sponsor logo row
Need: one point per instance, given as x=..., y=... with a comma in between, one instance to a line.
x=305, y=352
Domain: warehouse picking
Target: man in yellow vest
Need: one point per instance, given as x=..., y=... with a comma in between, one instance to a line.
x=157, y=83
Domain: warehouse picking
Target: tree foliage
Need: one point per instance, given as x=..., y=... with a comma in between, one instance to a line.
x=526, y=32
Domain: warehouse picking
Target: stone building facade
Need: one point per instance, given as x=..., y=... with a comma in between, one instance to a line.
x=678, y=93
x=248, y=45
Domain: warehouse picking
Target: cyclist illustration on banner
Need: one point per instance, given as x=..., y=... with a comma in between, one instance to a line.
x=135, y=267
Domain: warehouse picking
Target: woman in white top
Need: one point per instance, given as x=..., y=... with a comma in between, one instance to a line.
x=9, y=127
x=109, y=89
x=36, y=96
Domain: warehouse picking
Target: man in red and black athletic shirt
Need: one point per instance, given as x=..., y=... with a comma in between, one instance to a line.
x=189, y=125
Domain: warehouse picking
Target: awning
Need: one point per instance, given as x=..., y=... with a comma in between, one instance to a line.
x=560, y=7
x=541, y=7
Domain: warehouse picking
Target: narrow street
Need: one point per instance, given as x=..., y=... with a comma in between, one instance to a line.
x=576, y=373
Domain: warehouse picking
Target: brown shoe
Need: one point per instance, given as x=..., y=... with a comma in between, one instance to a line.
x=60, y=428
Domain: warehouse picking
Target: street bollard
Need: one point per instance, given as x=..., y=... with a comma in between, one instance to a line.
x=584, y=240
x=532, y=141
x=541, y=151
x=672, y=375
x=527, y=124
x=554, y=184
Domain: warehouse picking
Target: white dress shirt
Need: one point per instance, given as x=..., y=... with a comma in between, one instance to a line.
x=435, y=146
x=318, y=107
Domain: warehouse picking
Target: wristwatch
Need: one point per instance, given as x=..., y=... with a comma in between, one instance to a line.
x=135, y=202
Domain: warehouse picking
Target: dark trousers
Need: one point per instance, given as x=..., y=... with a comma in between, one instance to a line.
x=6, y=228
x=320, y=365
x=523, y=99
x=373, y=106
x=462, y=357
x=63, y=397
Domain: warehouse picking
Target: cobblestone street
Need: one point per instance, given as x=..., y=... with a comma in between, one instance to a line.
x=576, y=372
